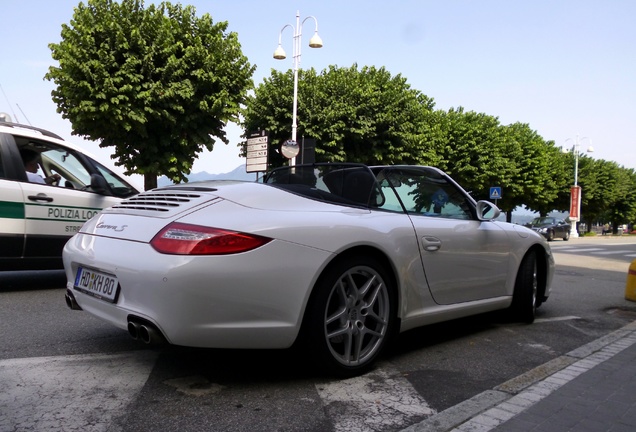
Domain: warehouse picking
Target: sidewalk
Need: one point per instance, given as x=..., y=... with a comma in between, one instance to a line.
x=592, y=388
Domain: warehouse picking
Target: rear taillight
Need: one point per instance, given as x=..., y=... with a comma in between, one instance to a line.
x=185, y=239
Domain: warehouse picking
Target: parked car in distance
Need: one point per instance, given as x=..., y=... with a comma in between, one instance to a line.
x=38, y=217
x=551, y=228
x=337, y=258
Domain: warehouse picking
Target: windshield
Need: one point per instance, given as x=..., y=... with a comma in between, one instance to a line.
x=119, y=187
x=351, y=184
x=542, y=221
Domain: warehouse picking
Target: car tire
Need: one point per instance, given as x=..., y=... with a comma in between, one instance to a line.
x=550, y=235
x=566, y=237
x=351, y=316
x=524, y=299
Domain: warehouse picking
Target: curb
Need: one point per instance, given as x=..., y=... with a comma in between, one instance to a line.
x=489, y=409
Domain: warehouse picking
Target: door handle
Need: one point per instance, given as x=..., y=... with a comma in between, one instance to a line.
x=40, y=197
x=431, y=244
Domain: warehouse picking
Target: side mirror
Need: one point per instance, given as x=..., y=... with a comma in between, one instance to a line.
x=487, y=211
x=99, y=185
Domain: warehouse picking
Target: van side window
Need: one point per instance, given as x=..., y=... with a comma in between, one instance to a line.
x=61, y=162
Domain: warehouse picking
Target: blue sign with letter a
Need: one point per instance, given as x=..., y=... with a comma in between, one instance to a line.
x=495, y=192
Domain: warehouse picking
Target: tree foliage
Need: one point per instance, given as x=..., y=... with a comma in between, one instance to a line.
x=356, y=115
x=539, y=173
x=480, y=153
x=158, y=84
x=607, y=192
x=474, y=151
x=624, y=208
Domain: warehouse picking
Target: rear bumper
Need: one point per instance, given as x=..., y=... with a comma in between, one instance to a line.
x=249, y=300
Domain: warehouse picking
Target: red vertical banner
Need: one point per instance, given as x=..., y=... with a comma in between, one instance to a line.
x=575, y=202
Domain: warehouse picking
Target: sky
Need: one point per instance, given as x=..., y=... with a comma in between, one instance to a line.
x=567, y=68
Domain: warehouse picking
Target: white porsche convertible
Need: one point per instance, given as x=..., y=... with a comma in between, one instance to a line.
x=341, y=257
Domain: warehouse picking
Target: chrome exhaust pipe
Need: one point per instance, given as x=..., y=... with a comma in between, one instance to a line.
x=70, y=301
x=133, y=329
x=145, y=332
x=150, y=335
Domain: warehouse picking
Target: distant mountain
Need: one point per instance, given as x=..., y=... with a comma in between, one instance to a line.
x=237, y=174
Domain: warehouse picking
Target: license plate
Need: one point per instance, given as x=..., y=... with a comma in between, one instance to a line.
x=102, y=285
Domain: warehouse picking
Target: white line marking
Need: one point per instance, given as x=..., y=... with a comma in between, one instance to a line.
x=372, y=402
x=563, y=318
x=586, y=250
x=81, y=392
x=612, y=252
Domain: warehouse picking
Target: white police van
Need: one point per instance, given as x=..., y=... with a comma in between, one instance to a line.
x=36, y=219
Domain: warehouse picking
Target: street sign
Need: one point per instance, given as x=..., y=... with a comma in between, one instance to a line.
x=495, y=193
x=256, y=151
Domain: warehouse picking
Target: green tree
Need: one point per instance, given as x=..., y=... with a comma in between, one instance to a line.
x=356, y=115
x=540, y=172
x=158, y=84
x=599, y=188
x=476, y=152
x=565, y=181
x=480, y=153
x=624, y=209
x=608, y=196
x=366, y=115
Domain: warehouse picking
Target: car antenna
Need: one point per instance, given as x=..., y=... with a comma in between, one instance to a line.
x=12, y=110
x=27, y=119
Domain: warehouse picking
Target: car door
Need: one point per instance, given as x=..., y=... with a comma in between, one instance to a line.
x=37, y=219
x=12, y=222
x=561, y=228
x=464, y=259
x=53, y=213
x=47, y=215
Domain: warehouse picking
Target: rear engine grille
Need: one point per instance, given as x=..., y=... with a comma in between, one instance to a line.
x=160, y=201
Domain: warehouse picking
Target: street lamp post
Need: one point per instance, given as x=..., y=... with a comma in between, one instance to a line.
x=279, y=54
x=575, y=191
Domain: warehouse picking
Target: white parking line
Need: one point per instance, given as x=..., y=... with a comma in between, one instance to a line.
x=79, y=393
x=587, y=250
x=612, y=252
x=563, y=318
x=376, y=401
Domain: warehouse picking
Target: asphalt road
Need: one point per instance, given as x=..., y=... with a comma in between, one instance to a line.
x=63, y=369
